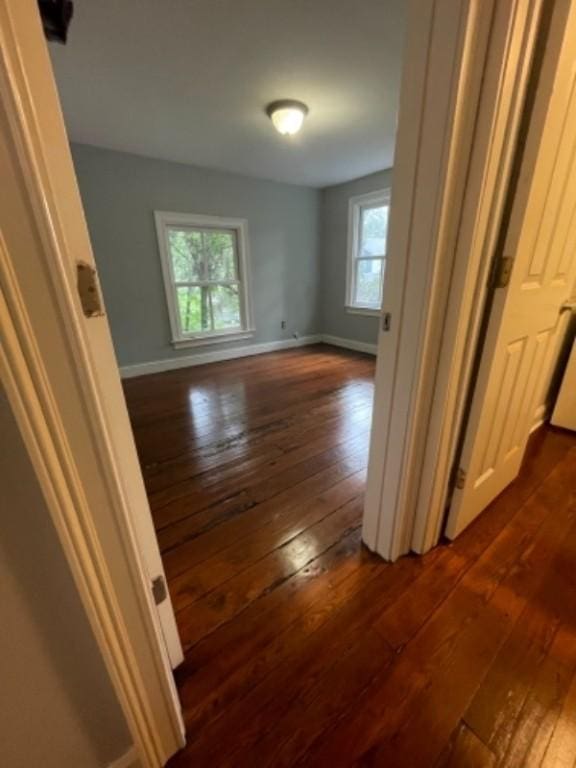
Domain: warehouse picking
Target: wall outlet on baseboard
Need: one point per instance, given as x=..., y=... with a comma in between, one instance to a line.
x=296, y=335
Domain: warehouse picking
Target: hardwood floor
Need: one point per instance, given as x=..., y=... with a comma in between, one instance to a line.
x=302, y=648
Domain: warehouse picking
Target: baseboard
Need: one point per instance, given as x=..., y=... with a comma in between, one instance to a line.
x=357, y=346
x=129, y=759
x=159, y=366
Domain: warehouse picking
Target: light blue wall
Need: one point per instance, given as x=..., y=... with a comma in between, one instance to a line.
x=121, y=191
x=335, y=320
x=297, y=235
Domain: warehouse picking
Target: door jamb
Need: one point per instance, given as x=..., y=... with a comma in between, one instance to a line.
x=122, y=615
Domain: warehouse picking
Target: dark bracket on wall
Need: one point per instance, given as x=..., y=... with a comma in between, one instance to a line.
x=56, y=16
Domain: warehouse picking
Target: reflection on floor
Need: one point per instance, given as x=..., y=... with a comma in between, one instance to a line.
x=304, y=649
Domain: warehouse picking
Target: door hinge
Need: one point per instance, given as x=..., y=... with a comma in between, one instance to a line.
x=503, y=271
x=386, y=321
x=159, y=591
x=88, y=290
x=460, y=481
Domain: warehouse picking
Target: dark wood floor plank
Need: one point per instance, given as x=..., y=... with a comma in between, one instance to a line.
x=217, y=454
x=238, y=516
x=182, y=471
x=429, y=687
x=281, y=745
x=229, y=413
x=199, y=618
x=258, y=490
x=303, y=649
x=221, y=669
x=280, y=640
x=505, y=693
x=550, y=677
x=276, y=532
x=561, y=749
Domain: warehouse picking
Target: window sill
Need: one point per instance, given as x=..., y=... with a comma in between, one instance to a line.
x=220, y=338
x=363, y=311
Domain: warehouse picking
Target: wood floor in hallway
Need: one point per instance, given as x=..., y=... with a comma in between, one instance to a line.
x=302, y=648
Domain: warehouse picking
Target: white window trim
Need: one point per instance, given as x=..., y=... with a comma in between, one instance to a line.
x=355, y=204
x=165, y=219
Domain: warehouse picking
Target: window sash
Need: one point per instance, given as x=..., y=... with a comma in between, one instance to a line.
x=228, y=317
x=206, y=283
x=204, y=250
x=209, y=331
x=363, y=305
x=357, y=207
x=360, y=212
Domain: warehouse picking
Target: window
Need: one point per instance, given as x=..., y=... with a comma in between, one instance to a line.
x=205, y=267
x=368, y=230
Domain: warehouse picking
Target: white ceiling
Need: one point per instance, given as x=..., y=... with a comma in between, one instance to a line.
x=188, y=80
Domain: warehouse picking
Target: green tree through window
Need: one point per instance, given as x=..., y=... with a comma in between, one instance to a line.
x=206, y=279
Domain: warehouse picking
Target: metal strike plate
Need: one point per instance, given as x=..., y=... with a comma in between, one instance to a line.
x=88, y=290
x=386, y=321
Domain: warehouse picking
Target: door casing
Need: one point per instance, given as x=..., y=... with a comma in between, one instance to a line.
x=63, y=406
x=466, y=72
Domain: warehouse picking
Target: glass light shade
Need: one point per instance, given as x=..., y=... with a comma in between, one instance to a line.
x=287, y=116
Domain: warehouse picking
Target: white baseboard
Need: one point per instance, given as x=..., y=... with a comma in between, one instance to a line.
x=357, y=346
x=171, y=364
x=158, y=366
x=128, y=760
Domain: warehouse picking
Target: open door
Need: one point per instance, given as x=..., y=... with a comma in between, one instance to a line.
x=79, y=271
x=106, y=378
x=526, y=321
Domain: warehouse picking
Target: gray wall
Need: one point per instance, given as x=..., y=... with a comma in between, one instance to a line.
x=120, y=192
x=58, y=706
x=335, y=320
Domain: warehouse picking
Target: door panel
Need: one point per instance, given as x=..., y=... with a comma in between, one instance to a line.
x=526, y=325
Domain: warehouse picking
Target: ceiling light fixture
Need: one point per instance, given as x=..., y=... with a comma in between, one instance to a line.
x=287, y=115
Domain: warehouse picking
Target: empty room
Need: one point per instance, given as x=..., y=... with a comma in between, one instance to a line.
x=236, y=189
x=287, y=365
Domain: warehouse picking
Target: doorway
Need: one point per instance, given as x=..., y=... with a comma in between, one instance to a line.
x=244, y=298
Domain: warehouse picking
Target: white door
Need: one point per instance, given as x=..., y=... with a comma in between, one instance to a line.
x=103, y=369
x=107, y=377
x=526, y=323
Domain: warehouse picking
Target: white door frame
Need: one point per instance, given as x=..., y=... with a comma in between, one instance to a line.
x=54, y=390
x=466, y=71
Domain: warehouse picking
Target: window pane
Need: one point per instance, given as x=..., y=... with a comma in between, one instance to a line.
x=373, y=231
x=220, y=249
x=225, y=307
x=186, y=255
x=369, y=274
x=193, y=306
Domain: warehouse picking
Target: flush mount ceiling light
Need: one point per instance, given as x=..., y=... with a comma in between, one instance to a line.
x=287, y=115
